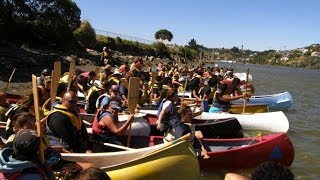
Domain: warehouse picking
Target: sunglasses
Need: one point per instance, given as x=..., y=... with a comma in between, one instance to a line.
x=72, y=101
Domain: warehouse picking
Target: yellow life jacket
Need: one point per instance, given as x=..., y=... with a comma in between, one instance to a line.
x=74, y=118
x=64, y=78
x=114, y=79
x=90, y=92
x=46, y=107
x=144, y=97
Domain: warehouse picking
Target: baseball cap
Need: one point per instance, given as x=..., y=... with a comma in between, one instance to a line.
x=45, y=72
x=115, y=105
x=26, y=141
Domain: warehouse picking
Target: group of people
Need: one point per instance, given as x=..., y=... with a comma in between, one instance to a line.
x=64, y=131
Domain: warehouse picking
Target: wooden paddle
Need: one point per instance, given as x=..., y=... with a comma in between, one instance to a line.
x=245, y=91
x=10, y=78
x=133, y=99
x=57, y=68
x=54, y=85
x=37, y=114
x=125, y=82
x=118, y=146
x=184, y=90
x=72, y=69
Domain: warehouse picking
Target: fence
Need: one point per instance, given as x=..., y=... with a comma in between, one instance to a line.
x=129, y=38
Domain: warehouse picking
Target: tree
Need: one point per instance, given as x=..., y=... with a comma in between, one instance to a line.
x=235, y=49
x=44, y=22
x=193, y=44
x=163, y=34
x=86, y=34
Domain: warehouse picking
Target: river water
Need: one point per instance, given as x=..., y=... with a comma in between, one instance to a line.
x=303, y=116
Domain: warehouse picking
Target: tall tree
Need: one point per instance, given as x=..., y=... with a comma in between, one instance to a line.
x=163, y=34
x=193, y=44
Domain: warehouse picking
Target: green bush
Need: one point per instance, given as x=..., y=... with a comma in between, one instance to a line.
x=86, y=34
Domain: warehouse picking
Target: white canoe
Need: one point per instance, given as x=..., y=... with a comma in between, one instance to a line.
x=269, y=121
x=139, y=126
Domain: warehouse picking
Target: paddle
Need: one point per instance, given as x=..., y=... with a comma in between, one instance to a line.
x=118, y=146
x=72, y=69
x=5, y=89
x=184, y=89
x=54, y=84
x=37, y=114
x=97, y=71
x=245, y=91
x=57, y=68
x=133, y=98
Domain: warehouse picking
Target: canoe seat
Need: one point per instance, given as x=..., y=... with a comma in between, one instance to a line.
x=220, y=148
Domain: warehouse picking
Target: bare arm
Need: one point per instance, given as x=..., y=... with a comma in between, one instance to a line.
x=110, y=124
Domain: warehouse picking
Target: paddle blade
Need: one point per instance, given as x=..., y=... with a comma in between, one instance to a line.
x=57, y=67
x=133, y=93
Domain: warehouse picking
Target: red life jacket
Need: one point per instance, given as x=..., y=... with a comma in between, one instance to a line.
x=96, y=127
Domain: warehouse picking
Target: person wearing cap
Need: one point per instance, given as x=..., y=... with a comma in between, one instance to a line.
x=116, y=76
x=44, y=90
x=41, y=79
x=105, y=56
x=65, y=127
x=105, y=124
x=22, y=161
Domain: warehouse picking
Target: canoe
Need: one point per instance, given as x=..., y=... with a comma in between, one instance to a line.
x=139, y=126
x=145, y=125
x=236, y=108
x=269, y=121
x=164, y=161
x=280, y=101
x=247, y=152
x=250, y=108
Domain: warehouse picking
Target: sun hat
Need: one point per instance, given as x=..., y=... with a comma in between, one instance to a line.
x=116, y=72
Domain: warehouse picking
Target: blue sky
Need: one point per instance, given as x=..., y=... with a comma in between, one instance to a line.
x=255, y=24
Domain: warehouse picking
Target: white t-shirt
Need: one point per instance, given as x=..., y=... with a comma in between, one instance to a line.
x=167, y=106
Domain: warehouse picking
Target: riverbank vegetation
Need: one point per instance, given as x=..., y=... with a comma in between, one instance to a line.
x=55, y=26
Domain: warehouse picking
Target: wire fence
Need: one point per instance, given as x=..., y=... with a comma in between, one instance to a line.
x=129, y=38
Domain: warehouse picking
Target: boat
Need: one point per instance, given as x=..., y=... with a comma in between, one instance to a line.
x=174, y=160
x=145, y=125
x=269, y=121
x=250, y=108
x=247, y=152
x=281, y=101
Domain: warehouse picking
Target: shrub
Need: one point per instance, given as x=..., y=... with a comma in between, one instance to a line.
x=86, y=34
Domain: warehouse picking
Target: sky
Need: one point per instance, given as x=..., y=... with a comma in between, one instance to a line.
x=254, y=24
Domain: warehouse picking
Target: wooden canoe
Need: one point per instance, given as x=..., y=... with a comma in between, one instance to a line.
x=270, y=121
x=247, y=152
x=280, y=101
x=164, y=161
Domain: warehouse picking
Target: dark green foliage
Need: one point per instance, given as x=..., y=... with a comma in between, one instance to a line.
x=48, y=23
x=163, y=34
x=161, y=49
x=193, y=44
x=86, y=34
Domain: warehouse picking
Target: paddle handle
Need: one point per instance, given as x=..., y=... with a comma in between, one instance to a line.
x=10, y=78
x=245, y=91
x=118, y=146
x=37, y=114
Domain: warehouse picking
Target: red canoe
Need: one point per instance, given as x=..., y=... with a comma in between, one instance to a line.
x=247, y=152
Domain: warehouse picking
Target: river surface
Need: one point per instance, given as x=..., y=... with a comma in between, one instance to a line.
x=303, y=116
x=303, y=85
